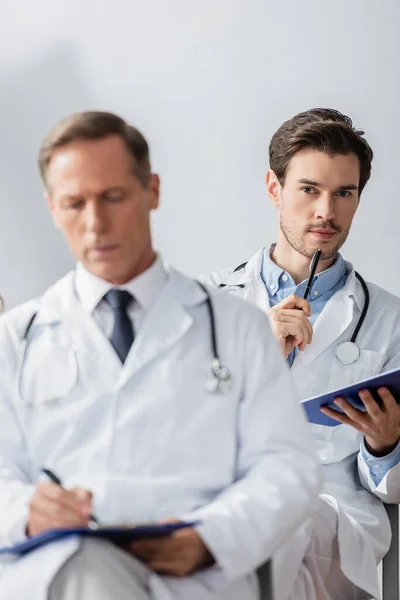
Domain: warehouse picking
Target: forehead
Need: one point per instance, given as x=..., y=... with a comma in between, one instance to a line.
x=105, y=162
x=329, y=171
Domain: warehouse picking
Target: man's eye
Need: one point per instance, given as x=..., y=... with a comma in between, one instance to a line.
x=74, y=205
x=344, y=193
x=114, y=197
x=308, y=190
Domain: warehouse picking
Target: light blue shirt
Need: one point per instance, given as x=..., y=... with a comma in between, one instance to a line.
x=280, y=284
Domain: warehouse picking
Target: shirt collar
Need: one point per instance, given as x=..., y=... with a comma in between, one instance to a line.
x=326, y=280
x=270, y=271
x=145, y=288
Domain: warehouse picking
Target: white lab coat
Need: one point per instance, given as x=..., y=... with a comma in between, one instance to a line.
x=147, y=438
x=364, y=531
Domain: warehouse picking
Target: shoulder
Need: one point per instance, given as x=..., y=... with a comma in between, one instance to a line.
x=242, y=274
x=228, y=308
x=383, y=300
x=216, y=278
x=14, y=322
x=237, y=318
x=383, y=316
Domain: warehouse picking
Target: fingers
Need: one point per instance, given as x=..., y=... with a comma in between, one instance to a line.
x=52, y=507
x=178, y=554
x=372, y=407
x=55, y=511
x=75, y=501
x=356, y=416
x=380, y=425
x=167, y=567
x=290, y=324
x=84, y=496
x=293, y=319
x=337, y=416
x=293, y=301
x=294, y=324
x=389, y=404
x=55, y=518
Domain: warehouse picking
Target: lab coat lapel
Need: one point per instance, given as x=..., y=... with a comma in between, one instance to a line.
x=92, y=346
x=335, y=318
x=60, y=305
x=165, y=324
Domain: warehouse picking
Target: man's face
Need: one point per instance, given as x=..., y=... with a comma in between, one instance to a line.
x=102, y=207
x=318, y=201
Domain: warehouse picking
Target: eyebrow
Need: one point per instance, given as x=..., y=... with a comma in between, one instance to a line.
x=351, y=186
x=102, y=193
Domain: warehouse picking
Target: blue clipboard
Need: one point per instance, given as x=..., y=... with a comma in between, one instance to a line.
x=312, y=406
x=118, y=534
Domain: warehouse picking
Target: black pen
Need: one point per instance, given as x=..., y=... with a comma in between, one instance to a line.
x=93, y=523
x=313, y=267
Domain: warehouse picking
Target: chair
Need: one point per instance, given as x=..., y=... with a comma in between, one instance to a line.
x=265, y=578
x=390, y=564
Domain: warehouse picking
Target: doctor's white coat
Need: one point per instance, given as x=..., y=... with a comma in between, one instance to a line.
x=148, y=439
x=363, y=527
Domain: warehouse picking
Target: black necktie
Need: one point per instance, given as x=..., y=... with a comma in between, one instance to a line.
x=122, y=333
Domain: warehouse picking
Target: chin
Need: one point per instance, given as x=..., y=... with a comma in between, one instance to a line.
x=327, y=253
x=103, y=270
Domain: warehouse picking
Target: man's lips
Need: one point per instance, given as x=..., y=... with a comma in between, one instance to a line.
x=103, y=248
x=323, y=233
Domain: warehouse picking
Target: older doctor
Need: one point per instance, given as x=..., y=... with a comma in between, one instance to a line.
x=111, y=395
x=319, y=165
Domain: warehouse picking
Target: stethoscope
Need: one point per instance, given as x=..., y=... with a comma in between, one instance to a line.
x=219, y=380
x=346, y=353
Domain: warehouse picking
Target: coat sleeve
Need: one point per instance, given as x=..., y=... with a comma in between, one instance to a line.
x=388, y=487
x=278, y=475
x=16, y=489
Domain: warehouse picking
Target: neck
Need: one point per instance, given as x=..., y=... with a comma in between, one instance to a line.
x=294, y=263
x=144, y=262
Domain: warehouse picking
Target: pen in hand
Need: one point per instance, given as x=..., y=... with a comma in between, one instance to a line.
x=313, y=267
x=93, y=522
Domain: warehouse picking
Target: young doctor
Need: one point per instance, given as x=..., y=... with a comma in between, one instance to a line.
x=107, y=381
x=319, y=165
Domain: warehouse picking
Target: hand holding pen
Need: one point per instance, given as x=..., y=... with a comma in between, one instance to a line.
x=53, y=507
x=289, y=318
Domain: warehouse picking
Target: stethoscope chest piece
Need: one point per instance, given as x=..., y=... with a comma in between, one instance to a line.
x=220, y=379
x=347, y=353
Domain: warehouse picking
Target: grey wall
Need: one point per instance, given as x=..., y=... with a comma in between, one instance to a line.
x=208, y=83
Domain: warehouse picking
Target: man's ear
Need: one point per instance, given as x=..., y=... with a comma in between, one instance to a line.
x=53, y=213
x=153, y=190
x=273, y=188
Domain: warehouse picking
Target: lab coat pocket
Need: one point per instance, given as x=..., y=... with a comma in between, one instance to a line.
x=369, y=364
x=49, y=373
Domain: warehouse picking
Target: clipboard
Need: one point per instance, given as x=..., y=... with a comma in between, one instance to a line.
x=119, y=534
x=312, y=406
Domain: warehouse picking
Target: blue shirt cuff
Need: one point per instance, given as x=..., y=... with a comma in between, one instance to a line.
x=380, y=465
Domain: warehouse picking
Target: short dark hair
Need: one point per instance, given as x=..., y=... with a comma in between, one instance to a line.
x=323, y=129
x=93, y=125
